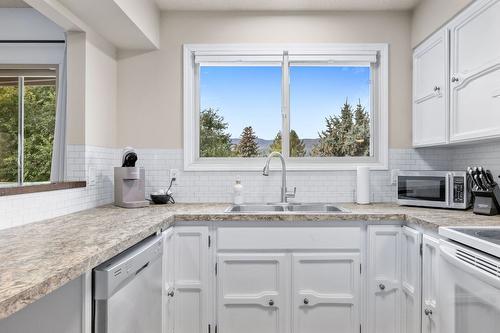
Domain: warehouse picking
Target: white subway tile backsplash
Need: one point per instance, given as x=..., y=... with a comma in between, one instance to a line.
x=325, y=186
x=333, y=186
x=21, y=209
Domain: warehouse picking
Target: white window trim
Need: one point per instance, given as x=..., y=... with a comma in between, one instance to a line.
x=380, y=121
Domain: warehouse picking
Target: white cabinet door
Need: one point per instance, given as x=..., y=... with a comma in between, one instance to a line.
x=430, y=91
x=430, y=277
x=410, y=280
x=252, y=293
x=191, y=280
x=384, y=273
x=168, y=281
x=475, y=72
x=326, y=292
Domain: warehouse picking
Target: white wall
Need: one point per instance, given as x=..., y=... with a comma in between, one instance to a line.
x=429, y=15
x=27, y=24
x=145, y=15
x=100, y=97
x=150, y=84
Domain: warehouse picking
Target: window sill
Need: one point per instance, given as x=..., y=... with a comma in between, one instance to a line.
x=6, y=191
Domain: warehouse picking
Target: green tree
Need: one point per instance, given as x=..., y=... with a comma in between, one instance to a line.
x=39, y=125
x=248, y=145
x=8, y=133
x=214, y=139
x=346, y=134
x=297, y=146
x=361, y=131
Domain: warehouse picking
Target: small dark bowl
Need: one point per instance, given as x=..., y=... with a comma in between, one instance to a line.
x=160, y=199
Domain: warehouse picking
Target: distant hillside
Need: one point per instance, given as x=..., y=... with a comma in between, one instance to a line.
x=265, y=144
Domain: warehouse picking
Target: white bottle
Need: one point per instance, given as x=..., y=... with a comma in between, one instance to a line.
x=238, y=192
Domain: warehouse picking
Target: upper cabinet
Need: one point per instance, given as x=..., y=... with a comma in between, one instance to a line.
x=475, y=73
x=456, y=79
x=430, y=91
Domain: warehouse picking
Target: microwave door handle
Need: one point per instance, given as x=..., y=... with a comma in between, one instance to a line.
x=447, y=253
x=449, y=186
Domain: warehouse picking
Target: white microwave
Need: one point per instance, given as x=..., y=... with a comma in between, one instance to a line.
x=441, y=189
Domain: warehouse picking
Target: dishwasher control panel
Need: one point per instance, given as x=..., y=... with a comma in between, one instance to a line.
x=110, y=275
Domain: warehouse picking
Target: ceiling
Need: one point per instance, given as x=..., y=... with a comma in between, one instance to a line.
x=13, y=4
x=286, y=5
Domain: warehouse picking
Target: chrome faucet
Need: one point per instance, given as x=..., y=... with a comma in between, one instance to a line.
x=284, y=193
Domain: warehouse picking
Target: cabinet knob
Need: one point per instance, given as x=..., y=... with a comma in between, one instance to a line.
x=454, y=79
x=271, y=302
x=381, y=286
x=437, y=89
x=306, y=301
x=170, y=293
x=428, y=312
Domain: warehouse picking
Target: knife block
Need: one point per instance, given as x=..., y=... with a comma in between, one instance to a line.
x=487, y=202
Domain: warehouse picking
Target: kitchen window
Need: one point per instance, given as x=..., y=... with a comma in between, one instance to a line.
x=28, y=98
x=324, y=107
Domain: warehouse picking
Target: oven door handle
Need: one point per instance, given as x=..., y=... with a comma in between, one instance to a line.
x=447, y=253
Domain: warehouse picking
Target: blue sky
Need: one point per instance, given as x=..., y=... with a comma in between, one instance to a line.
x=252, y=96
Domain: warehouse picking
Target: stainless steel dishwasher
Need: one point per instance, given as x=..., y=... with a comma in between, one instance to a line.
x=127, y=295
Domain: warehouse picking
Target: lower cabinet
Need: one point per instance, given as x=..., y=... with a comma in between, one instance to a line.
x=288, y=292
x=384, y=279
x=252, y=292
x=300, y=280
x=411, y=263
x=393, y=280
x=430, y=276
x=189, y=289
x=325, y=289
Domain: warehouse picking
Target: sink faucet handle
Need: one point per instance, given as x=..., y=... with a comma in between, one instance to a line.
x=291, y=194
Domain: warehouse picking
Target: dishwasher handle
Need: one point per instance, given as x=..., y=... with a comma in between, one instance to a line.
x=116, y=273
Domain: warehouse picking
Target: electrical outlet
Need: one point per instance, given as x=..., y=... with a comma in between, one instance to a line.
x=394, y=176
x=174, y=173
x=91, y=176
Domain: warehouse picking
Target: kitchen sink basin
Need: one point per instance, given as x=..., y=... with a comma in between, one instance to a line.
x=321, y=208
x=254, y=208
x=291, y=207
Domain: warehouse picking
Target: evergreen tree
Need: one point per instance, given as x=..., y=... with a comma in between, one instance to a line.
x=214, y=140
x=248, y=146
x=361, y=130
x=297, y=146
x=276, y=145
x=347, y=134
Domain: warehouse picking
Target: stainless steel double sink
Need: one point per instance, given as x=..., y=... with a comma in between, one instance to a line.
x=288, y=207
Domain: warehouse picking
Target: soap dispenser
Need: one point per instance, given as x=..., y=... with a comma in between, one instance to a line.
x=238, y=192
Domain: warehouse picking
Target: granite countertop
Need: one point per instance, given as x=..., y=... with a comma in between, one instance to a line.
x=37, y=258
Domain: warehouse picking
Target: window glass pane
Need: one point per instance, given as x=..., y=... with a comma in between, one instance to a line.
x=240, y=110
x=9, y=105
x=39, y=123
x=329, y=111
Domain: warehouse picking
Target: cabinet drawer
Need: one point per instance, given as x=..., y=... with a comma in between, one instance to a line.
x=294, y=238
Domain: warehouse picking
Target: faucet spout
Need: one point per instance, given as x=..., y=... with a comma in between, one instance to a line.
x=284, y=194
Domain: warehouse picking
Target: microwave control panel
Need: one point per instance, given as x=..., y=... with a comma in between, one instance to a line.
x=458, y=189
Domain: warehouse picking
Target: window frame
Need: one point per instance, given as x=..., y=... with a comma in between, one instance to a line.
x=379, y=119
